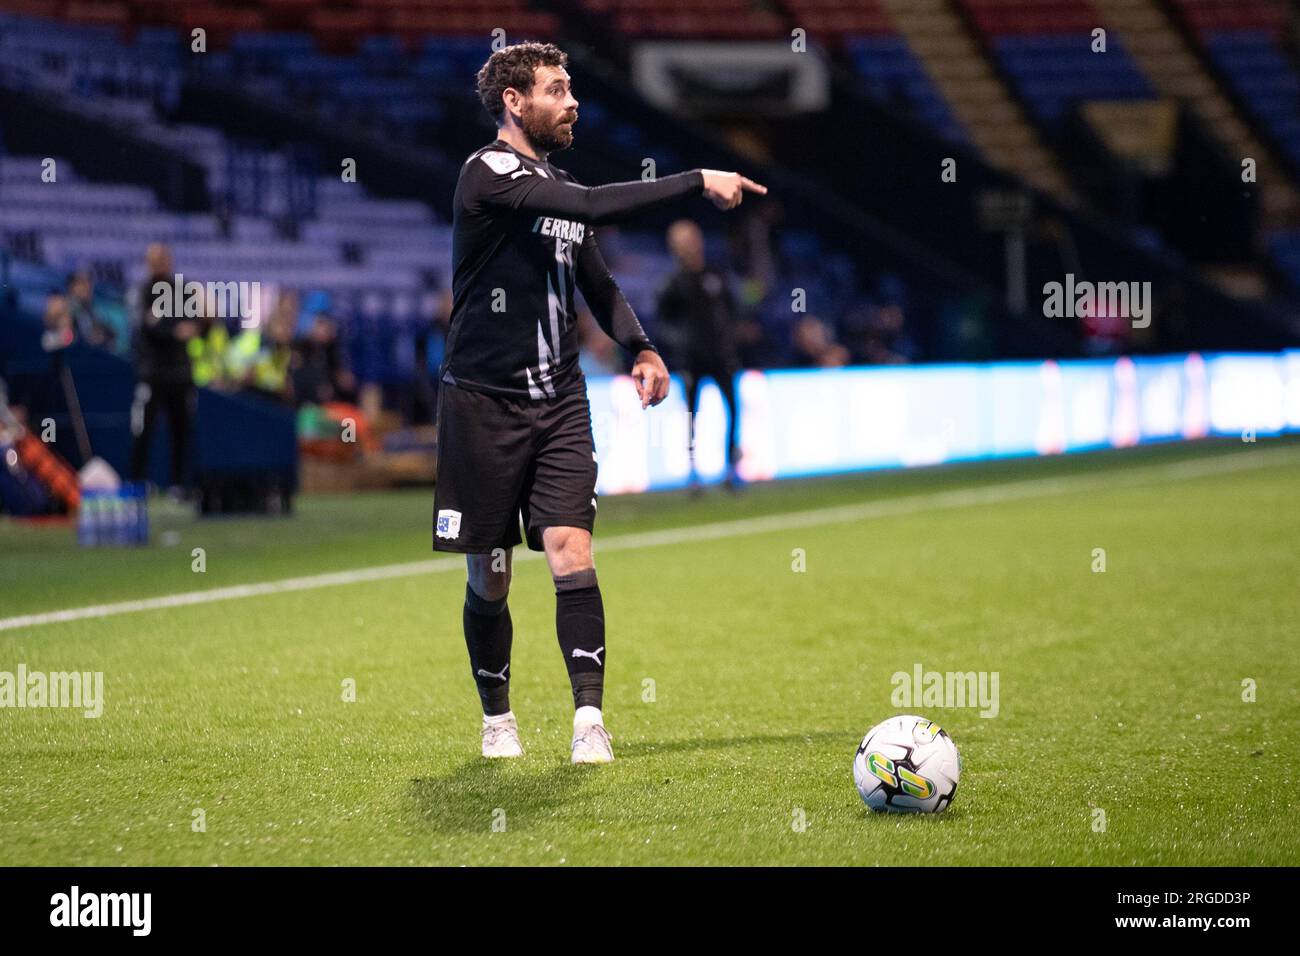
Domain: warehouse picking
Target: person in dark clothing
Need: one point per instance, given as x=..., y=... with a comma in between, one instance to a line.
x=165, y=382
x=321, y=371
x=515, y=438
x=90, y=327
x=697, y=321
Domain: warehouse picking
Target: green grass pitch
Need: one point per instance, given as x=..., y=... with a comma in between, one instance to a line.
x=1120, y=691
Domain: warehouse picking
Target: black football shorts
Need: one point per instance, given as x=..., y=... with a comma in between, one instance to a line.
x=500, y=458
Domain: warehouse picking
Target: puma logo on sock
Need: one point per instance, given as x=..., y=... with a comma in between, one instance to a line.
x=501, y=677
x=594, y=655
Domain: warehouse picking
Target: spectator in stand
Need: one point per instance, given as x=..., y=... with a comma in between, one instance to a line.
x=91, y=327
x=59, y=331
x=165, y=381
x=57, y=335
x=321, y=372
x=208, y=350
x=254, y=357
x=1104, y=330
x=876, y=331
x=814, y=345
x=754, y=258
x=884, y=343
x=270, y=369
x=696, y=321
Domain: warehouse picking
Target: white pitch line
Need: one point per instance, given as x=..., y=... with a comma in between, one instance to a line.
x=892, y=507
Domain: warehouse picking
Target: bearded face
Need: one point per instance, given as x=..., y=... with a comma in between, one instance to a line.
x=547, y=126
x=548, y=112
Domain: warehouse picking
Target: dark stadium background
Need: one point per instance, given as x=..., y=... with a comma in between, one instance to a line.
x=1121, y=166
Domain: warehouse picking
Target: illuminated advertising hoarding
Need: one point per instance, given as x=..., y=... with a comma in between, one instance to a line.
x=827, y=421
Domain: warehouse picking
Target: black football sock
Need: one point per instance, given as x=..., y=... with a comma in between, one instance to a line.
x=580, y=626
x=488, y=635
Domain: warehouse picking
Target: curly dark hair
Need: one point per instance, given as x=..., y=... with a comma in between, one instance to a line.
x=514, y=66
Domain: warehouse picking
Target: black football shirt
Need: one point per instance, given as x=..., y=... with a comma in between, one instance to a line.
x=523, y=240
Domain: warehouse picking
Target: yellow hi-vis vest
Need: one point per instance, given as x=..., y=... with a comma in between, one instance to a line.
x=208, y=355
x=241, y=354
x=272, y=368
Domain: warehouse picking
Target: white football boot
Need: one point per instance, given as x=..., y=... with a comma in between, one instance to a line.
x=501, y=737
x=591, y=741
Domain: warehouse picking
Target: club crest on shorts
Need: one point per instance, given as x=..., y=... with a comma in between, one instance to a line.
x=448, y=525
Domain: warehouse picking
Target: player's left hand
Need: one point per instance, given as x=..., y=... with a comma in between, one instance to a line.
x=651, y=378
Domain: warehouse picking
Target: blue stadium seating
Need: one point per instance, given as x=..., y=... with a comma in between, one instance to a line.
x=1052, y=72
x=892, y=74
x=1263, y=79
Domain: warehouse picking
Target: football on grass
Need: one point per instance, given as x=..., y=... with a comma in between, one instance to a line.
x=907, y=764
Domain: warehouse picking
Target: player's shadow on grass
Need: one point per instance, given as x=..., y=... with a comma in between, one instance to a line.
x=465, y=800
x=651, y=748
